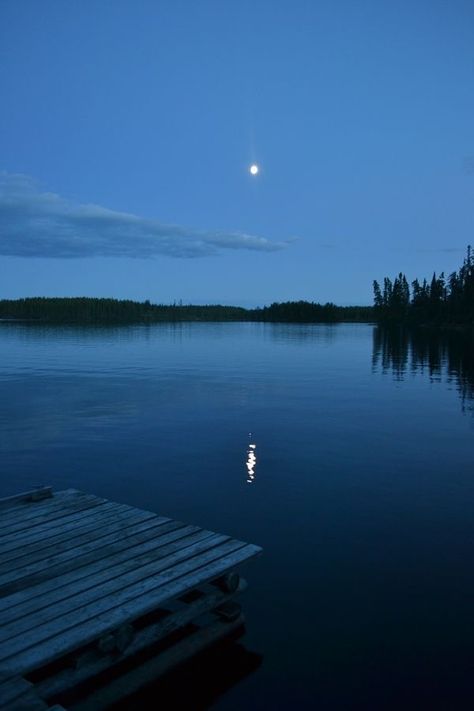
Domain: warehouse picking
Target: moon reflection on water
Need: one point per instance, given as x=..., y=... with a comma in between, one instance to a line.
x=251, y=463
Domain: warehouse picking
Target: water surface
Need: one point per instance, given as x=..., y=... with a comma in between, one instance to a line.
x=359, y=484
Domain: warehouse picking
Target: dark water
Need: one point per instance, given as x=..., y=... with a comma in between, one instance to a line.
x=362, y=492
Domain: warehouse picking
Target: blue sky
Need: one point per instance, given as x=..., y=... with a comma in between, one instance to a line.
x=127, y=129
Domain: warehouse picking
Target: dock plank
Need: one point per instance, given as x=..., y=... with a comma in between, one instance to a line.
x=70, y=522
x=29, y=513
x=108, y=515
x=143, y=639
x=45, y=588
x=154, y=668
x=12, y=687
x=85, y=502
x=28, y=702
x=26, y=510
x=17, y=694
x=49, y=592
x=64, y=562
x=116, y=522
x=41, y=492
x=133, y=569
x=126, y=605
x=124, y=587
x=76, y=569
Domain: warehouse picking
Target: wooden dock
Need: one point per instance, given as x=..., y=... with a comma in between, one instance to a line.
x=98, y=599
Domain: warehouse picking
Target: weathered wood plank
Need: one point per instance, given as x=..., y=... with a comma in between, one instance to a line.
x=52, y=512
x=29, y=511
x=85, y=606
x=41, y=492
x=76, y=581
x=64, y=562
x=46, y=530
x=17, y=694
x=132, y=681
x=27, y=702
x=95, y=663
x=131, y=603
x=60, y=511
x=134, y=569
x=76, y=567
x=38, y=593
x=116, y=522
x=11, y=688
x=108, y=515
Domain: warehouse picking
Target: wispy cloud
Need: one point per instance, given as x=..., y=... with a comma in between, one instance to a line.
x=41, y=224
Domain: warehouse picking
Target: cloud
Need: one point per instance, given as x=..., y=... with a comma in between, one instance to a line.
x=40, y=224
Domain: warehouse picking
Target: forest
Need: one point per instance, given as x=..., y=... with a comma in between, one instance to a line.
x=439, y=301
x=94, y=310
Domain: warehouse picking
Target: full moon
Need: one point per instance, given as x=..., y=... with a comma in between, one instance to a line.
x=254, y=169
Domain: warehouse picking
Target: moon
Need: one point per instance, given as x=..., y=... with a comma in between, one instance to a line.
x=254, y=169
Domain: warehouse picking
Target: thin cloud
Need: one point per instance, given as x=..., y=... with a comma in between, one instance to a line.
x=41, y=224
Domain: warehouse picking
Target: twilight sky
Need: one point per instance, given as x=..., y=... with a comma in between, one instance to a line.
x=127, y=129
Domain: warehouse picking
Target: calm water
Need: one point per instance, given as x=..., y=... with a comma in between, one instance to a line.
x=362, y=492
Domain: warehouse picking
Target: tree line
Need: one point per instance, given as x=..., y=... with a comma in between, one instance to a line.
x=95, y=310
x=438, y=301
x=310, y=312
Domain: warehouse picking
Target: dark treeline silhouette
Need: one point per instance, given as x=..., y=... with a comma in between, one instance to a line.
x=91, y=310
x=439, y=301
x=442, y=354
x=309, y=312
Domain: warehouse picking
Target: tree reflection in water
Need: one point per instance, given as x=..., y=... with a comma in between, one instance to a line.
x=443, y=355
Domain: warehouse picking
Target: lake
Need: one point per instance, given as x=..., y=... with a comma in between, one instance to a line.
x=360, y=490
